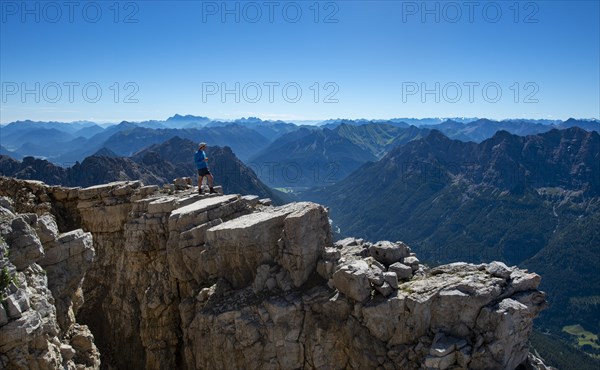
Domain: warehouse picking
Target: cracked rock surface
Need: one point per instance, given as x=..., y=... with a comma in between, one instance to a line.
x=177, y=280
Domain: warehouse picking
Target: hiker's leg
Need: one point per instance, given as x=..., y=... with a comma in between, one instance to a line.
x=200, y=179
x=210, y=184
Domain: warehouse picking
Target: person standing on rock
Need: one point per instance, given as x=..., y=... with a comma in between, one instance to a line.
x=201, y=161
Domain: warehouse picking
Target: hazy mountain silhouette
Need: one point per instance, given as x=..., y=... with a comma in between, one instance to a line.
x=269, y=129
x=65, y=143
x=306, y=158
x=156, y=165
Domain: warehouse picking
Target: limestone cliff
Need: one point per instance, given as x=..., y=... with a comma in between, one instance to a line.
x=41, y=272
x=184, y=281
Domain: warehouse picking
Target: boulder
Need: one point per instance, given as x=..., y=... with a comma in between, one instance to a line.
x=507, y=327
x=182, y=183
x=238, y=247
x=391, y=278
x=67, y=352
x=412, y=261
x=499, y=269
x=46, y=228
x=326, y=266
x=389, y=253
x=375, y=276
x=384, y=289
x=352, y=279
x=402, y=271
x=306, y=233
x=13, y=307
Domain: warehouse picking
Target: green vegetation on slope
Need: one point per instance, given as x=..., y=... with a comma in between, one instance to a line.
x=583, y=337
x=569, y=268
x=564, y=357
x=380, y=138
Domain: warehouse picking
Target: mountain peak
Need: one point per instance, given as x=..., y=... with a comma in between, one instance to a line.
x=503, y=134
x=187, y=117
x=436, y=134
x=105, y=152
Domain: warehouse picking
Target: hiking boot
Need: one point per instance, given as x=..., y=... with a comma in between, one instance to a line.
x=212, y=191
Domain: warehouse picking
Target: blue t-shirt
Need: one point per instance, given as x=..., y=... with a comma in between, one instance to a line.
x=199, y=158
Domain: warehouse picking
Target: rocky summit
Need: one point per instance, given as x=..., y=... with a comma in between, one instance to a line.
x=127, y=276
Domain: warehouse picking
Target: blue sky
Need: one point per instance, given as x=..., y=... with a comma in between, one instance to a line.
x=294, y=60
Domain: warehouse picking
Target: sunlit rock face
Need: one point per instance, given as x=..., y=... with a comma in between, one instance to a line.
x=173, y=279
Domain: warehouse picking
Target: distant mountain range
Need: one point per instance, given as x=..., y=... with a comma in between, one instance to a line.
x=242, y=140
x=532, y=201
x=156, y=165
x=432, y=121
x=322, y=156
x=312, y=157
x=65, y=143
x=482, y=129
x=307, y=158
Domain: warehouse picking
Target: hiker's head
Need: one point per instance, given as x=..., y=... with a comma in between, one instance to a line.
x=202, y=145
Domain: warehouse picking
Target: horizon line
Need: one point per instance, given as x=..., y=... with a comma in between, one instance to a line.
x=442, y=119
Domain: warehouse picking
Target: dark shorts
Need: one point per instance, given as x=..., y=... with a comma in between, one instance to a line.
x=203, y=172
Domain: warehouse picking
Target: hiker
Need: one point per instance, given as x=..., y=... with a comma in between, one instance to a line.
x=201, y=164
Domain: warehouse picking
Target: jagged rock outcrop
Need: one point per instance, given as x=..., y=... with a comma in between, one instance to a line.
x=190, y=281
x=40, y=291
